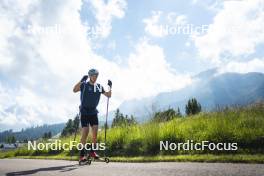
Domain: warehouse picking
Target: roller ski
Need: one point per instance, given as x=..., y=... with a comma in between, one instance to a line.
x=93, y=156
x=84, y=161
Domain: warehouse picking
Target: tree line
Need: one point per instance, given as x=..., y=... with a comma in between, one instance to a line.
x=31, y=133
x=71, y=126
x=192, y=107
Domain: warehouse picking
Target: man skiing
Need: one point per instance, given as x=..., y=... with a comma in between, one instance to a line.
x=90, y=96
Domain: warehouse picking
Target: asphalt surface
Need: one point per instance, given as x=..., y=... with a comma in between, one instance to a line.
x=11, y=167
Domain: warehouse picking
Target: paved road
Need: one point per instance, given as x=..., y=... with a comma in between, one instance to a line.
x=11, y=167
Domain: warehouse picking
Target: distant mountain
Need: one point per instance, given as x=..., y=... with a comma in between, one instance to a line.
x=33, y=132
x=210, y=88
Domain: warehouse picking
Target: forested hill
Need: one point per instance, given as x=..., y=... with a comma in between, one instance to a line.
x=32, y=133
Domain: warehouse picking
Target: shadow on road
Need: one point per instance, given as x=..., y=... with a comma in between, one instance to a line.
x=34, y=171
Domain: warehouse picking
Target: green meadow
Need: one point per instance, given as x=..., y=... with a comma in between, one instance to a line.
x=141, y=142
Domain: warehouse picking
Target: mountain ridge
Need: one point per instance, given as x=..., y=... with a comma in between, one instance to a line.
x=210, y=88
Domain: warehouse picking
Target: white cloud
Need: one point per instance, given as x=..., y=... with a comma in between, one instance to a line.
x=22, y=107
x=255, y=65
x=38, y=70
x=236, y=31
x=106, y=11
x=148, y=73
x=160, y=23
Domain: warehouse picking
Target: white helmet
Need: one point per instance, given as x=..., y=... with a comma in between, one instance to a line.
x=92, y=72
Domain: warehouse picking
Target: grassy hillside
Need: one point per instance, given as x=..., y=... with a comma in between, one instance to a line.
x=242, y=125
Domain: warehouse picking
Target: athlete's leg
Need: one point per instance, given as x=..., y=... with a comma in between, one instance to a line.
x=94, y=126
x=94, y=140
x=84, y=133
x=94, y=133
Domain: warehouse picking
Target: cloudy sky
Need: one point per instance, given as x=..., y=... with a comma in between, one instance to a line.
x=144, y=47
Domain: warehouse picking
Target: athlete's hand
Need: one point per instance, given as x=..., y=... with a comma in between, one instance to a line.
x=84, y=78
x=109, y=83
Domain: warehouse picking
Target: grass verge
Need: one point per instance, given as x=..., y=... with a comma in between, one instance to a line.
x=210, y=158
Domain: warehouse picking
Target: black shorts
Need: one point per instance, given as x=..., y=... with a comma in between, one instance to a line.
x=89, y=119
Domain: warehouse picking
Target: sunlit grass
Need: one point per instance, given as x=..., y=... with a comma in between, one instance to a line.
x=242, y=125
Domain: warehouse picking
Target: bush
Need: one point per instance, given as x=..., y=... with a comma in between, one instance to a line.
x=193, y=107
x=123, y=120
x=166, y=115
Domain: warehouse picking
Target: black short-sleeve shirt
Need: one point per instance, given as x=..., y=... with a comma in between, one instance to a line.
x=90, y=97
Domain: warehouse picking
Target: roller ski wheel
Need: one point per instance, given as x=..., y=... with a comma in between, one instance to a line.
x=106, y=160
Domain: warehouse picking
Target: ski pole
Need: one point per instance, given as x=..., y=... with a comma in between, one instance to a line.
x=106, y=116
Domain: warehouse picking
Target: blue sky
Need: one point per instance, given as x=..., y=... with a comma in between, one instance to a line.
x=126, y=32
x=46, y=47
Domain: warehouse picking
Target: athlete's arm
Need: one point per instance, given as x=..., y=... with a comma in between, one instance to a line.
x=77, y=87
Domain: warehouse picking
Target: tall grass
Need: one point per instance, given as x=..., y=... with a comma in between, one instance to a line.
x=242, y=125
